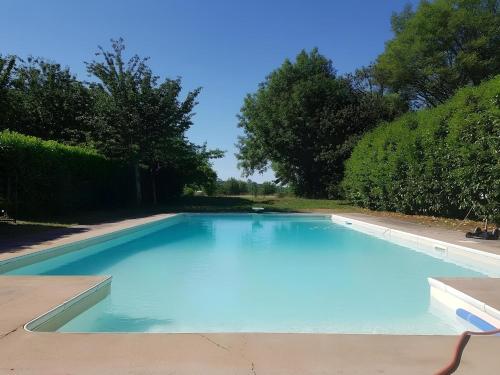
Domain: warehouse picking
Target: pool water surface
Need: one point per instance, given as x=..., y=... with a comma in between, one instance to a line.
x=256, y=273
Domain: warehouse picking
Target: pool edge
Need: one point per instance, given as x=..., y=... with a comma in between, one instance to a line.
x=55, y=313
x=59, y=315
x=453, y=299
x=482, y=261
x=22, y=260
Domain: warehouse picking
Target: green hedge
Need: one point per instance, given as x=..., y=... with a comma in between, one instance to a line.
x=45, y=178
x=441, y=161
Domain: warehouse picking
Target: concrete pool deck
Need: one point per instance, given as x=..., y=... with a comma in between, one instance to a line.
x=23, y=298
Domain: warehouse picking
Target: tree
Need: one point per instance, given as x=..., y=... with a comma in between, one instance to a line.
x=46, y=101
x=442, y=46
x=6, y=67
x=194, y=167
x=139, y=121
x=303, y=122
x=268, y=188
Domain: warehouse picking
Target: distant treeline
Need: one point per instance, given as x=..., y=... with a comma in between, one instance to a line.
x=118, y=140
x=233, y=186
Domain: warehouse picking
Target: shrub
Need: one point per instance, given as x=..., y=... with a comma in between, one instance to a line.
x=441, y=161
x=44, y=178
x=188, y=191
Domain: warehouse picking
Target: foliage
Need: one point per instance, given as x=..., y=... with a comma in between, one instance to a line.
x=126, y=114
x=6, y=67
x=442, y=46
x=244, y=203
x=194, y=168
x=139, y=121
x=303, y=122
x=440, y=161
x=268, y=188
x=44, y=178
x=46, y=101
x=232, y=186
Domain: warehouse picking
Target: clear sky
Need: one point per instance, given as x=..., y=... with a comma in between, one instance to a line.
x=227, y=47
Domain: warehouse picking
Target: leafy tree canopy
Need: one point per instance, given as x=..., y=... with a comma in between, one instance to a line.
x=44, y=100
x=303, y=122
x=139, y=120
x=440, y=47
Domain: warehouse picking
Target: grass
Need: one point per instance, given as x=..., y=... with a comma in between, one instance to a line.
x=244, y=203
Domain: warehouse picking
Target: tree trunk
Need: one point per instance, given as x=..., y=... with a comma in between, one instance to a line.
x=153, y=187
x=138, y=192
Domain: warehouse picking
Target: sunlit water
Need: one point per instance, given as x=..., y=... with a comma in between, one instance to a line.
x=256, y=273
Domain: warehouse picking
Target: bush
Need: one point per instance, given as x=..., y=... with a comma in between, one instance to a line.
x=44, y=178
x=442, y=161
x=188, y=191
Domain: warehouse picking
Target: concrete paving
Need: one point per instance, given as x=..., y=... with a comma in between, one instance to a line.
x=22, y=298
x=486, y=290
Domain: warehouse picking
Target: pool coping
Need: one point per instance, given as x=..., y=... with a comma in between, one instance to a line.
x=39, y=253
x=70, y=307
x=453, y=299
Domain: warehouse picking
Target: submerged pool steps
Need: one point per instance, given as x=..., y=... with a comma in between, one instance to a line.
x=63, y=313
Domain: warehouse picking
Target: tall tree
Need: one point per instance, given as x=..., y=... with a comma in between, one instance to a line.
x=115, y=119
x=442, y=46
x=303, y=122
x=137, y=120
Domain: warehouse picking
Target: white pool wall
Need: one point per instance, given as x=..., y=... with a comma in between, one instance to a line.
x=477, y=260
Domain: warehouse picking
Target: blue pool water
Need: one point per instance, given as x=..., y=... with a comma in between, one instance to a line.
x=256, y=273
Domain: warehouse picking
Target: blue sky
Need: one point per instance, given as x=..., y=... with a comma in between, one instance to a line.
x=227, y=47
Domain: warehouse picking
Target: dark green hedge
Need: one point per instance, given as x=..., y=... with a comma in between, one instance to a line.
x=44, y=178
x=441, y=161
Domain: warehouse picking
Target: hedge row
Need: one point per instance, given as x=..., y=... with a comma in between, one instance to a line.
x=44, y=178
x=441, y=161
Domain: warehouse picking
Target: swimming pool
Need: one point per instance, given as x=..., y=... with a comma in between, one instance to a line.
x=256, y=273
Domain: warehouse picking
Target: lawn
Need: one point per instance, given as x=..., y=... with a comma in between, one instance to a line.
x=244, y=203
